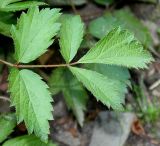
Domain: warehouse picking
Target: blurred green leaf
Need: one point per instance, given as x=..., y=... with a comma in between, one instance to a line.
x=17, y=5
x=74, y=94
x=148, y=1
x=7, y=124
x=56, y=81
x=104, y=2
x=27, y=140
x=111, y=71
x=65, y=2
x=5, y=28
x=123, y=18
x=6, y=21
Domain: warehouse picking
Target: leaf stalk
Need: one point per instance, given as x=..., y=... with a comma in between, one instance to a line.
x=36, y=66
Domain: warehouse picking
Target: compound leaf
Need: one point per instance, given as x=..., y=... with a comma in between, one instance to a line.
x=118, y=47
x=34, y=32
x=7, y=124
x=108, y=91
x=17, y=5
x=30, y=96
x=27, y=140
x=71, y=35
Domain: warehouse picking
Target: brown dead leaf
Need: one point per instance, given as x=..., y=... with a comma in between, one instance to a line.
x=92, y=115
x=4, y=86
x=137, y=128
x=22, y=127
x=74, y=132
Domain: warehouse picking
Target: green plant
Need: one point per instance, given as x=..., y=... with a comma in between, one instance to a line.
x=148, y=109
x=124, y=18
x=32, y=35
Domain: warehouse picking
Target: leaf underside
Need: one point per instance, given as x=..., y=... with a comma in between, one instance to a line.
x=34, y=32
x=30, y=96
x=6, y=21
x=118, y=47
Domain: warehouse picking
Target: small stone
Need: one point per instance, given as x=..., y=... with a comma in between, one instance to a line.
x=4, y=106
x=112, y=129
x=60, y=110
x=67, y=138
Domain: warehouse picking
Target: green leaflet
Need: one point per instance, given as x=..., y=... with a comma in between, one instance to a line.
x=71, y=35
x=30, y=96
x=118, y=47
x=118, y=73
x=27, y=140
x=7, y=124
x=17, y=5
x=34, y=32
x=108, y=91
x=74, y=94
x=123, y=18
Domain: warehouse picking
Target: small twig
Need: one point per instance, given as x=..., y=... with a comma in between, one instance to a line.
x=37, y=66
x=151, y=139
x=154, y=85
x=7, y=63
x=73, y=7
x=5, y=98
x=154, y=52
x=44, y=75
x=143, y=86
x=41, y=66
